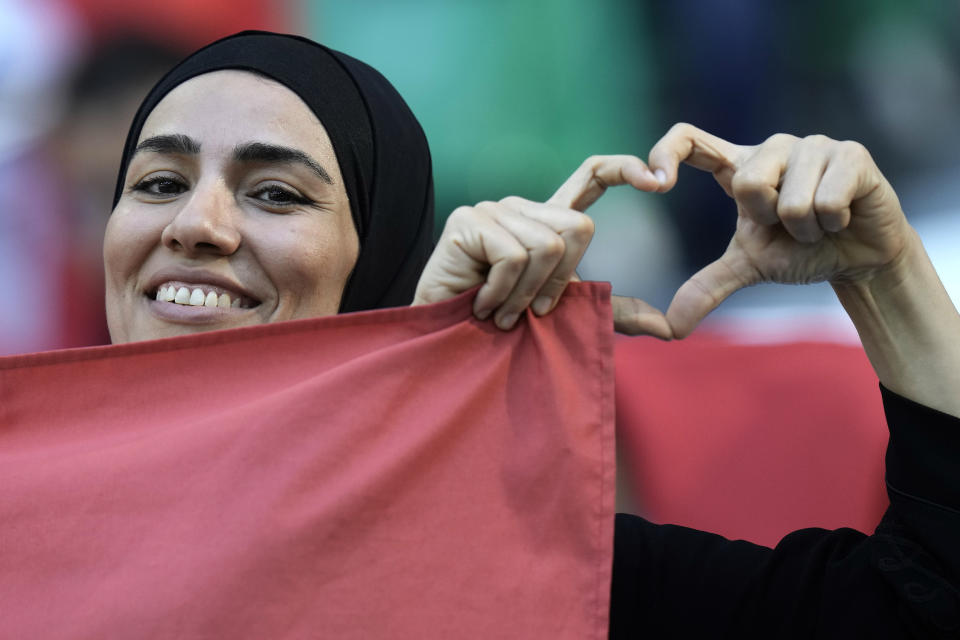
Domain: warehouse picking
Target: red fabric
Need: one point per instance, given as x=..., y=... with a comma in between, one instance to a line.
x=187, y=22
x=751, y=441
x=404, y=473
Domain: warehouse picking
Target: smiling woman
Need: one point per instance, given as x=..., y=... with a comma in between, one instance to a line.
x=209, y=230
x=259, y=183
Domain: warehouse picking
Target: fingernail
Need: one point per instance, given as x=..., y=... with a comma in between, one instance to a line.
x=507, y=321
x=661, y=176
x=542, y=305
x=482, y=314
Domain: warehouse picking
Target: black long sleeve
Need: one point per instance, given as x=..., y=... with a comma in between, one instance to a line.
x=901, y=582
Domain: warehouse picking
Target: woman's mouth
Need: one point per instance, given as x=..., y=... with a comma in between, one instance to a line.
x=200, y=295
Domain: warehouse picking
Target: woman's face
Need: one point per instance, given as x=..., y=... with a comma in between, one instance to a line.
x=233, y=213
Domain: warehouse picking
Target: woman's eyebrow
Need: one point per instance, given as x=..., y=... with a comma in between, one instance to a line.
x=170, y=143
x=263, y=152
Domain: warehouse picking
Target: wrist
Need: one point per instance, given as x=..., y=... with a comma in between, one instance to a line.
x=889, y=280
x=908, y=326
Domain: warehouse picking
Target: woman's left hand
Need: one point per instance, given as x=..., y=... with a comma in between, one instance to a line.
x=810, y=210
x=525, y=253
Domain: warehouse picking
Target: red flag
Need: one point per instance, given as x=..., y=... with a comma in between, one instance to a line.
x=752, y=441
x=402, y=473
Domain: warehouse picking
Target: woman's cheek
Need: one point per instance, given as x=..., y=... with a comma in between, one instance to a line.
x=125, y=245
x=313, y=276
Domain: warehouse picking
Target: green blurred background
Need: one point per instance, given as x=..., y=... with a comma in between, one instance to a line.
x=513, y=95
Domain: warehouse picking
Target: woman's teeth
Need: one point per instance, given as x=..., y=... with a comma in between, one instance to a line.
x=196, y=298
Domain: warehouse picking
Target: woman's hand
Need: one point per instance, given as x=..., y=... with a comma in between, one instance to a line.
x=525, y=253
x=817, y=209
x=810, y=209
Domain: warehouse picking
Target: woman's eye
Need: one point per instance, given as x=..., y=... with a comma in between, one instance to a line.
x=278, y=196
x=160, y=186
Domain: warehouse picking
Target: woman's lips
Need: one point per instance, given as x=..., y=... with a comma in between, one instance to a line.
x=197, y=302
x=201, y=295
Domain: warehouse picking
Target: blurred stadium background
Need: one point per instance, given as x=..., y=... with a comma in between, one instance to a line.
x=512, y=95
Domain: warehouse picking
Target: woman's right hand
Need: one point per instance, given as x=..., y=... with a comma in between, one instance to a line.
x=524, y=253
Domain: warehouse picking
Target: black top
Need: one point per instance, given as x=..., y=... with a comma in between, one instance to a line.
x=901, y=582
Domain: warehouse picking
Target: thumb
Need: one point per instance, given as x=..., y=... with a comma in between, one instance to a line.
x=635, y=317
x=704, y=292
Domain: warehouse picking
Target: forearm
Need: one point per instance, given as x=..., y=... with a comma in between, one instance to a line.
x=910, y=329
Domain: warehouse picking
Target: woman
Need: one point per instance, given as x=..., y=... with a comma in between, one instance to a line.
x=365, y=202
x=244, y=150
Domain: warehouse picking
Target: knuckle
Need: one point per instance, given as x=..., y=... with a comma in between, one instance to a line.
x=792, y=209
x=855, y=150
x=512, y=201
x=459, y=215
x=780, y=139
x=819, y=140
x=681, y=129
x=515, y=260
x=553, y=247
x=594, y=162
x=582, y=227
x=746, y=183
x=829, y=204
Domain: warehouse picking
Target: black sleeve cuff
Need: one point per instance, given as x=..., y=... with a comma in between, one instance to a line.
x=923, y=457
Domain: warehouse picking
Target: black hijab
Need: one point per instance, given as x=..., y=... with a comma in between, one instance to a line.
x=381, y=149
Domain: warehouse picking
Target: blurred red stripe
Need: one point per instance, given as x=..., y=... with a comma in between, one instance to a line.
x=185, y=22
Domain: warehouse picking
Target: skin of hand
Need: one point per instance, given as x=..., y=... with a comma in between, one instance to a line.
x=809, y=209
x=524, y=253
x=816, y=209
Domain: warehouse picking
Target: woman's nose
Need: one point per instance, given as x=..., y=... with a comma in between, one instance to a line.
x=207, y=223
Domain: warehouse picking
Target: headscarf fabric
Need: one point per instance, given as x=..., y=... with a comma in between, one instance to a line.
x=380, y=147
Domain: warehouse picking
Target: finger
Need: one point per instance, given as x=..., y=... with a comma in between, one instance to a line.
x=576, y=230
x=801, y=178
x=544, y=248
x=596, y=174
x=458, y=262
x=489, y=247
x=755, y=184
x=839, y=187
x=686, y=143
x=635, y=317
x=705, y=290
